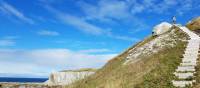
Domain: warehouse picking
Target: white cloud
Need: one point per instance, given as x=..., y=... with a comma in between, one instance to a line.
x=48, y=33
x=12, y=11
x=46, y=60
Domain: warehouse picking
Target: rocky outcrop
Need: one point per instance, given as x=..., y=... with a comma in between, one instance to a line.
x=158, y=43
x=65, y=78
x=161, y=28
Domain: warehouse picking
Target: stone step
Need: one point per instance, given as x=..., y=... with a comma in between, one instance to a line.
x=192, y=60
x=189, y=61
x=184, y=75
x=190, y=55
x=188, y=64
x=186, y=59
x=190, y=52
x=192, y=47
x=182, y=83
x=185, y=69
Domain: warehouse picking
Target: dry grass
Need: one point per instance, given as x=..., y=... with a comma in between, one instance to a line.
x=194, y=24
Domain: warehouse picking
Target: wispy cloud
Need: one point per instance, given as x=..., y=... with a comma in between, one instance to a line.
x=95, y=51
x=176, y=7
x=117, y=12
x=48, y=33
x=12, y=11
x=75, y=21
x=83, y=25
x=46, y=60
x=106, y=10
x=8, y=41
x=80, y=24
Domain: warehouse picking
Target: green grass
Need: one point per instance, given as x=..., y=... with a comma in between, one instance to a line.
x=162, y=74
x=197, y=84
x=154, y=71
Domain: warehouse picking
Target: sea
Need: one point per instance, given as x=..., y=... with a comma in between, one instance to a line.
x=23, y=80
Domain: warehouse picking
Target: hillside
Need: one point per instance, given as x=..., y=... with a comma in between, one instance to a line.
x=148, y=64
x=194, y=25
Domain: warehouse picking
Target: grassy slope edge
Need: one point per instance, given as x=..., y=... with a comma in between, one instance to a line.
x=154, y=71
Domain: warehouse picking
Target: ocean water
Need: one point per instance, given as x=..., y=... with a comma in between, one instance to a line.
x=23, y=80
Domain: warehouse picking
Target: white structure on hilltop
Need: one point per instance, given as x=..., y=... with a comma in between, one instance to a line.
x=161, y=28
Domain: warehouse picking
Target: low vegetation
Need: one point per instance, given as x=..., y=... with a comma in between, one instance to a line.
x=197, y=75
x=194, y=25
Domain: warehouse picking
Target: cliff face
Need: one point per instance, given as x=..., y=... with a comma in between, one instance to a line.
x=65, y=78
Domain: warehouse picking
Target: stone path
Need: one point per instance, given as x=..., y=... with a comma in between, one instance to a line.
x=185, y=72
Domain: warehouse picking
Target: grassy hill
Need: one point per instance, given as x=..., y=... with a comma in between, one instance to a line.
x=153, y=67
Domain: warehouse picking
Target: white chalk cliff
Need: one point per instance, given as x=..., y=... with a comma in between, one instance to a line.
x=65, y=78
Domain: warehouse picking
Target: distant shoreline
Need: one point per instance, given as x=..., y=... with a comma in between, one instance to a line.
x=25, y=85
x=20, y=84
x=22, y=80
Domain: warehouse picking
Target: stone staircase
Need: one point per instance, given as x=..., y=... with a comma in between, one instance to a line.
x=185, y=72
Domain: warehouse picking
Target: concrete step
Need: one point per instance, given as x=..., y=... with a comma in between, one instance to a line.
x=193, y=54
x=189, y=61
x=187, y=75
x=182, y=83
x=185, y=69
x=188, y=64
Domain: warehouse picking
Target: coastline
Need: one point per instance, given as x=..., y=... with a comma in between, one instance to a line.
x=25, y=85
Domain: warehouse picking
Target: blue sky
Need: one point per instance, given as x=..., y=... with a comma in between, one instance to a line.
x=41, y=36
